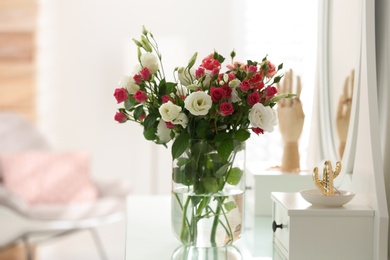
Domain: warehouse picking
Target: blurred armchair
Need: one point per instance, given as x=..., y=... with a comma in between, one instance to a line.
x=42, y=221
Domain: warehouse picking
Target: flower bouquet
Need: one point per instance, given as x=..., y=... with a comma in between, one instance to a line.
x=208, y=112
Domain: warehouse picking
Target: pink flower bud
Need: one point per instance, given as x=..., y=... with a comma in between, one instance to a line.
x=120, y=95
x=145, y=73
x=120, y=117
x=140, y=96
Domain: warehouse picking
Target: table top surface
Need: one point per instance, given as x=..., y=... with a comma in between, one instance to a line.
x=149, y=235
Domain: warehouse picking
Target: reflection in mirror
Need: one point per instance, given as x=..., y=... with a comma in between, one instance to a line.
x=339, y=59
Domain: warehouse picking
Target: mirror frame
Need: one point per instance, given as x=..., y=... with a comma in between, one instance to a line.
x=326, y=118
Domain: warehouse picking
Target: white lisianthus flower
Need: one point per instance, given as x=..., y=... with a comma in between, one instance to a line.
x=263, y=117
x=192, y=87
x=181, y=119
x=235, y=97
x=185, y=77
x=137, y=69
x=234, y=83
x=181, y=91
x=150, y=61
x=198, y=103
x=169, y=111
x=163, y=132
x=128, y=83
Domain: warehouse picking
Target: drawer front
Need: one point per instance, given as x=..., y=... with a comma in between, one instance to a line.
x=282, y=222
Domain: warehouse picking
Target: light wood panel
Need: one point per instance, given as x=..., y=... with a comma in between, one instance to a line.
x=17, y=56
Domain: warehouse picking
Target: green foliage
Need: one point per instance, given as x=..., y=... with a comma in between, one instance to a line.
x=180, y=145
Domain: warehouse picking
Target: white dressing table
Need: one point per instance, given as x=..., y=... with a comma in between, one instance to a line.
x=303, y=231
x=149, y=235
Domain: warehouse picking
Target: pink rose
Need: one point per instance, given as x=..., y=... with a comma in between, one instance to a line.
x=140, y=96
x=270, y=91
x=245, y=86
x=170, y=125
x=137, y=79
x=145, y=73
x=214, y=72
x=253, y=98
x=258, y=85
x=237, y=65
x=120, y=95
x=199, y=73
x=271, y=70
x=226, y=108
x=256, y=78
x=228, y=91
x=217, y=93
x=258, y=130
x=252, y=69
x=120, y=117
x=165, y=98
x=209, y=63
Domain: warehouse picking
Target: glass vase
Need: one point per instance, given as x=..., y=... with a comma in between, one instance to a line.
x=208, y=188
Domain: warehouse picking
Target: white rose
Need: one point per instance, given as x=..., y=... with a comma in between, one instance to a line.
x=198, y=103
x=169, y=111
x=263, y=117
x=128, y=83
x=150, y=61
x=163, y=132
x=185, y=77
x=181, y=119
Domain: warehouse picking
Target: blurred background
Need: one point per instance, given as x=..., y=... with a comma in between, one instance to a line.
x=60, y=62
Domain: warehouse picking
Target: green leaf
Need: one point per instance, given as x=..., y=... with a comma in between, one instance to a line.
x=180, y=144
x=138, y=111
x=235, y=175
x=210, y=184
x=150, y=120
x=229, y=206
x=129, y=104
x=202, y=128
x=182, y=161
x=170, y=87
x=223, y=170
x=280, y=66
x=249, y=62
x=225, y=149
x=242, y=135
x=222, y=136
x=150, y=134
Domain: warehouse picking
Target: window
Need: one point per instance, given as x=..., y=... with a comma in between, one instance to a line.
x=286, y=31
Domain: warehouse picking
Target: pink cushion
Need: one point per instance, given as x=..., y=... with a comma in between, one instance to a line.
x=41, y=177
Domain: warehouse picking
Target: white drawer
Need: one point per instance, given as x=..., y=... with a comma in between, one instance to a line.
x=280, y=226
x=302, y=230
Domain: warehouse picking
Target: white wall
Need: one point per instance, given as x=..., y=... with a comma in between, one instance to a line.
x=84, y=46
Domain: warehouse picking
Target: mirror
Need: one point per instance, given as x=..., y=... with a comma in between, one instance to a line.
x=339, y=58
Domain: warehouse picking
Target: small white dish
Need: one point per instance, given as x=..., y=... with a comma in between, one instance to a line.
x=316, y=197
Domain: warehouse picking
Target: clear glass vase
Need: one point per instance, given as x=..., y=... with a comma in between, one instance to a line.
x=208, y=190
